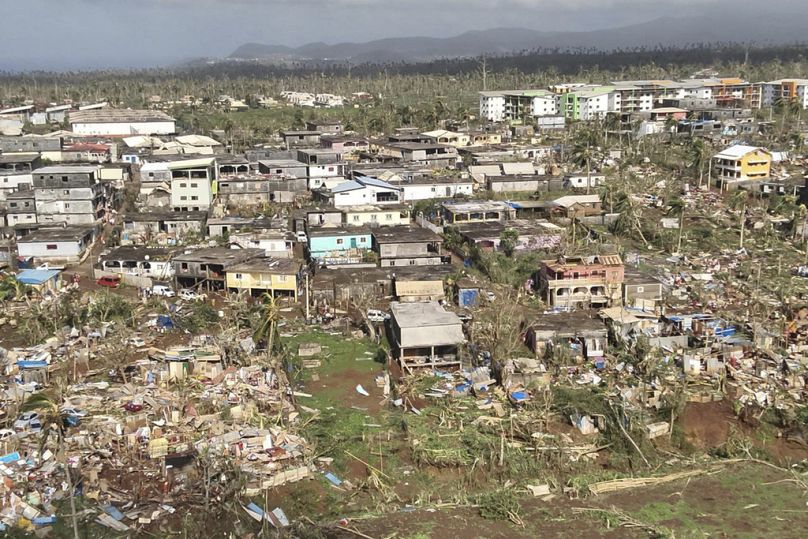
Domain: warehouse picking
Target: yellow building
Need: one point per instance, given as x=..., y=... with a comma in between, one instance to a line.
x=276, y=276
x=480, y=138
x=441, y=136
x=376, y=215
x=739, y=163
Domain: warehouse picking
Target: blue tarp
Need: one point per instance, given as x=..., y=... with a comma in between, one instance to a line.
x=333, y=479
x=36, y=277
x=11, y=457
x=164, y=321
x=467, y=297
x=113, y=512
x=28, y=364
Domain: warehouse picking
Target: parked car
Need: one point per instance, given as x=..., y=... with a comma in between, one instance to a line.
x=109, y=281
x=301, y=237
x=132, y=407
x=162, y=290
x=375, y=315
x=78, y=412
x=5, y=434
x=189, y=295
x=137, y=342
x=28, y=421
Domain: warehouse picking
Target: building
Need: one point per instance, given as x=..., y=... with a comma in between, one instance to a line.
x=740, y=164
x=71, y=194
x=533, y=235
x=329, y=127
x=150, y=262
x=21, y=208
x=580, y=282
x=425, y=335
x=477, y=211
x=426, y=153
x=41, y=280
x=784, y=91
x=517, y=106
x=571, y=337
x=257, y=189
x=193, y=183
x=49, y=148
x=16, y=172
x=292, y=138
x=373, y=216
x=363, y=190
x=641, y=291
x=407, y=246
x=441, y=136
x=427, y=188
x=276, y=276
x=339, y=246
x=121, y=123
x=162, y=227
x=66, y=244
x=208, y=267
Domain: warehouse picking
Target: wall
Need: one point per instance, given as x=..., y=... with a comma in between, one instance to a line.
x=126, y=278
x=65, y=250
x=125, y=128
x=380, y=218
x=437, y=190
x=262, y=281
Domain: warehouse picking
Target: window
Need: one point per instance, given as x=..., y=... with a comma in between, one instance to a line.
x=363, y=240
x=183, y=198
x=64, y=178
x=193, y=185
x=389, y=216
x=52, y=247
x=151, y=174
x=12, y=204
x=356, y=218
x=340, y=241
x=183, y=185
x=281, y=278
x=238, y=276
x=640, y=289
x=184, y=265
x=433, y=189
x=66, y=192
x=67, y=205
x=412, y=262
x=194, y=197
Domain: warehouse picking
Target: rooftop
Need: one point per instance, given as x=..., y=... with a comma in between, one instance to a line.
x=165, y=215
x=404, y=234
x=424, y=315
x=68, y=169
x=278, y=266
x=107, y=116
x=219, y=255
x=52, y=234
x=133, y=252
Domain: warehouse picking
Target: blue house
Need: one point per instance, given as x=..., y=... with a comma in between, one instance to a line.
x=339, y=246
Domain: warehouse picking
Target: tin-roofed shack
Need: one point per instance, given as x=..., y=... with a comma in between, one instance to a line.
x=425, y=335
x=571, y=335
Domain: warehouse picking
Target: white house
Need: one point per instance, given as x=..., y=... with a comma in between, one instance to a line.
x=593, y=104
x=428, y=188
x=191, y=184
x=57, y=244
x=362, y=191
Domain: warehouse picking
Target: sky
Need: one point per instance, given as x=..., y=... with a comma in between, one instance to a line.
x=80, y=34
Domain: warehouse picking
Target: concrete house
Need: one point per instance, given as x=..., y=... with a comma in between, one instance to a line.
x=407, y=246
x=575, y=336
x=363, y=190
x=426, y=153
x=425, y=335
x=21, y=208
x=580, y=282
x=16, y=172
x=740, y=164
x=477, y=211
x=66, y=244
x=164, y=227
x=339, y=246
x=426, y=188
x=208, y=267
x=329, y=127
x=193, y=184
x=373, y=216
x=276, y=276
x=71, y=194
x=292, y=138
x=153, y=262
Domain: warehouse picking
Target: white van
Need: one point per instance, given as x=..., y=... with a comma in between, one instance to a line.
x=162, y=290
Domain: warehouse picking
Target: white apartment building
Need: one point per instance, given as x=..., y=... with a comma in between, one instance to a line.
x=492, y=106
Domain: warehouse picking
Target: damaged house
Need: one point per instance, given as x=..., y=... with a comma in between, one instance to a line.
x=425, y=335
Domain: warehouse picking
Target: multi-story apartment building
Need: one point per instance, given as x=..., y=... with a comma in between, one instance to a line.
x=785, y=90
x=69, y=194
x=517, y=105
x=740, y=163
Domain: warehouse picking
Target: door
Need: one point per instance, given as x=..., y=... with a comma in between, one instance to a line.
x=353, y=243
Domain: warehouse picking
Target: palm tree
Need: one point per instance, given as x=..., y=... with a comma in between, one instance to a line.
x=677, y=207
x=738, y=200
x=698, y=152
x=584, y=150
x=267, y=330
x=48, y=407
